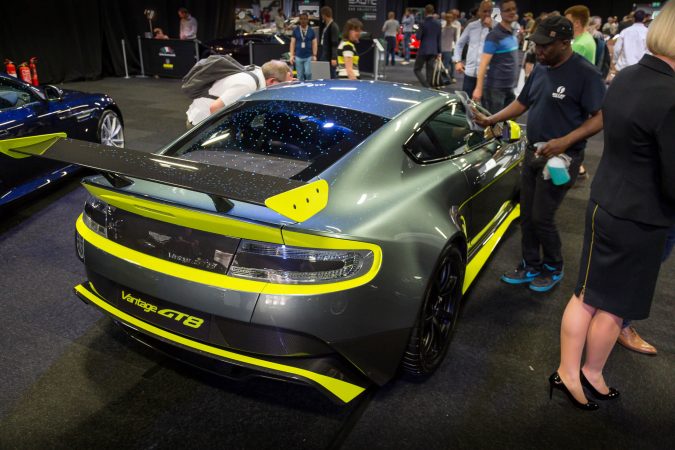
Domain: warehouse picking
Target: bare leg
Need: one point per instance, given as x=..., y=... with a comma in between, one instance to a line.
x=602, y=334
x=573, y=330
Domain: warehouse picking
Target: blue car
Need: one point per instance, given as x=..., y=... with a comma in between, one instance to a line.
x=26, y=110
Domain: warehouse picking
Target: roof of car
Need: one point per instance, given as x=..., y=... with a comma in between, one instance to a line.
x=374, y=97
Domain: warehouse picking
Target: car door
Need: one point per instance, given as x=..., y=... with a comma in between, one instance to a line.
x=488, y=164
x=23, y=112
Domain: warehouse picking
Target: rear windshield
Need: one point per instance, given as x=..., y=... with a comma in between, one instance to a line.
x=280, y=138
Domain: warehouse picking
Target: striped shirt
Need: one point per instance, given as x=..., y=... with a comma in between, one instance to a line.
x=347, y=49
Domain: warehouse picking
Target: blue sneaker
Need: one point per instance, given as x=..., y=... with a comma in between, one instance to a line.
x=521, y=274
x=548, y=278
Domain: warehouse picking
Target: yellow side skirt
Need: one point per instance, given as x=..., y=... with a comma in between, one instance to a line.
x=338, y=388
x=478, y=261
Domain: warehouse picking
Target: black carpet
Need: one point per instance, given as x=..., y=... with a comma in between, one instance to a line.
x=71, y=379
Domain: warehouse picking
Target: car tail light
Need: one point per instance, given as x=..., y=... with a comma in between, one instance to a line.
x=95, y=216
x=297, y=265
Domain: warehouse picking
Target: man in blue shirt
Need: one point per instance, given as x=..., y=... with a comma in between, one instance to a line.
x=303, y=48
x=564, y=96
x=494, y=85
x=429, y=35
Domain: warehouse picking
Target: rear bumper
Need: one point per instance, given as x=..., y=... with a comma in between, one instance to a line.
x=326, y=373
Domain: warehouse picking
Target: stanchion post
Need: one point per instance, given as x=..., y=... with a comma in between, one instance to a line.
x=250, y=52
x=124, y=55
x=140, y=54
x=196, y=50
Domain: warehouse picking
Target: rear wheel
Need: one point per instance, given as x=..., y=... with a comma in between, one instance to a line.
x=110, y=129
x=437, y=318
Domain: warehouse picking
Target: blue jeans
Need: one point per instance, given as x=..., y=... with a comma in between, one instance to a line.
x=496, y=99
x=670, y=243
x=391, y=49
x=406, y=45
x=469, y=84
x=304, y=68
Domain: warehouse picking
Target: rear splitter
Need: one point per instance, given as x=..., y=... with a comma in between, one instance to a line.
x=288, y=369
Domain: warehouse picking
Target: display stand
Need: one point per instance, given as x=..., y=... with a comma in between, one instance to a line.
x=172, y=58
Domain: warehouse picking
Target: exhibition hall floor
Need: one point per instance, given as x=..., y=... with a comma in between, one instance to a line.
x=71, y=379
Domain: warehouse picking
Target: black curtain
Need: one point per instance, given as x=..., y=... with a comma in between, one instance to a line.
x=82, y=39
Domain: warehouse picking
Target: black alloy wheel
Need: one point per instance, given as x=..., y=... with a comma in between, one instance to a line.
x=433, y=331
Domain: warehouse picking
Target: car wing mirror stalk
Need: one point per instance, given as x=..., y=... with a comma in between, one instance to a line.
x=52, y=93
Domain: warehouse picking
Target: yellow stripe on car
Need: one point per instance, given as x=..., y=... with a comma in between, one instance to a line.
x=341, y=389
x=198, y=220
x=478, y=261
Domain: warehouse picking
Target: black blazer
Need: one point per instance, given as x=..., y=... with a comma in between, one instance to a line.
x=331, y=41
x=636, y=175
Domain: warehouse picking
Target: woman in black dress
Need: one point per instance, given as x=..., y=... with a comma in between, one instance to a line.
x=631, y=209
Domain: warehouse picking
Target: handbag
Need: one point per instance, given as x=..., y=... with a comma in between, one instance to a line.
x=440, y=76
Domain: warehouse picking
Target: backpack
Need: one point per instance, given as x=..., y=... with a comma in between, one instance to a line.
x=200, y=78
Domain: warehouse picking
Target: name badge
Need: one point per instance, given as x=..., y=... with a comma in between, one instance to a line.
x=302, y=45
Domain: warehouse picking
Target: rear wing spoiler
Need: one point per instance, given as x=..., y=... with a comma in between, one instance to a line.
x=291, y=198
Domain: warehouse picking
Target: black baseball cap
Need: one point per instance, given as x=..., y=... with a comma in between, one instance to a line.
x=554, y=28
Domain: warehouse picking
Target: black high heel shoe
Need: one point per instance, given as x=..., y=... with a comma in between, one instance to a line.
x=557, y=383
x=613, y=393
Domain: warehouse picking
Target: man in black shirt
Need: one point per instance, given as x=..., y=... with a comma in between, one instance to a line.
x=330, y=38
x=563, y=94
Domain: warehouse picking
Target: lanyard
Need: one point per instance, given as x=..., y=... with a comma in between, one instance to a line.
x=303, y=35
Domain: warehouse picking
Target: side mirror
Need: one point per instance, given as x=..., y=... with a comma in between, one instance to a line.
x=53, y=93
x=508, y=132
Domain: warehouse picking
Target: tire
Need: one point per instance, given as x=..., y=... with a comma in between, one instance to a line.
x=110, y=129
x=435, y=324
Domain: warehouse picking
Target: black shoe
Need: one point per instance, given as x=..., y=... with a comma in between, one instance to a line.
x=556, y=382
x=548, y=278
x=521, y=274
x=613, y=393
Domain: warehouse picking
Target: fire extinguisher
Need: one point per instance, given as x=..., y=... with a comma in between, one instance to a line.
x=24, y=72
x=10, y=68
x=33, y=71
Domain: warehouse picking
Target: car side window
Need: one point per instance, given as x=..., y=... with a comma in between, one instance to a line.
x=12, y=96
x=445, y=135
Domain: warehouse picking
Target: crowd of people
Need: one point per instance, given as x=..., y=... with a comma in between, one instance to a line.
x=631, y=212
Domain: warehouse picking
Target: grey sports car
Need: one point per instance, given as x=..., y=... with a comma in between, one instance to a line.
x=319, y=232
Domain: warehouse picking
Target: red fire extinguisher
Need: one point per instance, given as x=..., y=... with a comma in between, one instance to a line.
x=33, y=71
x=10, y=68
x=24, y=72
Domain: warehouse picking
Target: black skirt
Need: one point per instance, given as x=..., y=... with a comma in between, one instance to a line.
x=620, y=263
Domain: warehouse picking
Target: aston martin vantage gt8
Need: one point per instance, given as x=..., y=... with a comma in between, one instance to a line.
x=319, y=232
x=27, y=110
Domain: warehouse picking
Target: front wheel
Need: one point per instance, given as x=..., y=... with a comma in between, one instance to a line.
x=438, y=315
x=110, y=129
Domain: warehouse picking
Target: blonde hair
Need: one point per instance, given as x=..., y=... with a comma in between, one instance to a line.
x=661, y=34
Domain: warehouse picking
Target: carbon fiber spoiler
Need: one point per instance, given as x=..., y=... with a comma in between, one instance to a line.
x=221, y=183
